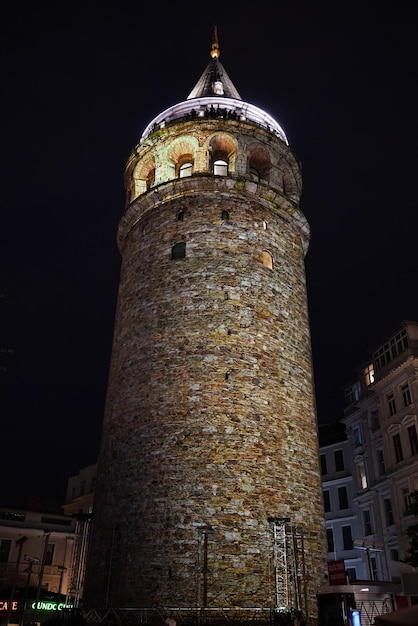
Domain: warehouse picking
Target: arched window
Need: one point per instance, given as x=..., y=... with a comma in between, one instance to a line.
x=220, y=167
x=185, y=169
x=259, y=163
x=267, y=259
x=150, y=179
x=255, y=175
x=225, y=215
x=178, y=251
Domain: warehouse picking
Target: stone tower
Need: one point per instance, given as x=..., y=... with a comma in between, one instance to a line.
x=208, y=496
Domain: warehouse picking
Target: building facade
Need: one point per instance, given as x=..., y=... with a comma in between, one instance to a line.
x=382, y=424
x=36, y=550
x=343, y=527
x=208, y=492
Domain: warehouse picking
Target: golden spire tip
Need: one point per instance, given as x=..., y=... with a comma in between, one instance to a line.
x=215, y=53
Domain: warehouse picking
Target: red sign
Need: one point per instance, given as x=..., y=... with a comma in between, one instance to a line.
x=336, y=572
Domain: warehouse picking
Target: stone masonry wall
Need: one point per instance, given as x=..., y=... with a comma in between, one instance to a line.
x=210, y=425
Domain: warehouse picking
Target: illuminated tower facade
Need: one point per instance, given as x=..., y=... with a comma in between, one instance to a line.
x=208, y=491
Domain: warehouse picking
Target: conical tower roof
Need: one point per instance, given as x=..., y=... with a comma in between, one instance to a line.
x=214, y=80
x=214, y=91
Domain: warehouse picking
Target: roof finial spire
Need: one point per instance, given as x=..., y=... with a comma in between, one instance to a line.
x=215, y=53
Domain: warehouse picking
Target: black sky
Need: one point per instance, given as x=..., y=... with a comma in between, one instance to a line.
x=80, y=85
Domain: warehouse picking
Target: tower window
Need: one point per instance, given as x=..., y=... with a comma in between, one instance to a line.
x=150, y=179
x=178, y=251
x=267, y=259
x=220, y=167
x=254, y=174
x=180, y=216
x=185, y=169
x=225, y=215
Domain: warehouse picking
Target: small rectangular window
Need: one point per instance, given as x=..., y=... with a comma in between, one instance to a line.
x=413, y=440
x=387, y=503
x=380, y=460
x=339, y=460
x=391, y=403
x=358, y=435
x=362, y=476
x=5, y=545
x=406, y=394
x=324, y=469
x=343, y=497
x=327, y=501
x=49, y=554
x=352, y=574
x=347, y=537
x=397, y=445
x=330, y=540
x=367, y=522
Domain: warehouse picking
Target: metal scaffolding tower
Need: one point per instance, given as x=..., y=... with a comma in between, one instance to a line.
x=78, y=563
x=289, y=567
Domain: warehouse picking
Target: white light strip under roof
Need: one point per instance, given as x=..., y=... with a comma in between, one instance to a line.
x=242, y=110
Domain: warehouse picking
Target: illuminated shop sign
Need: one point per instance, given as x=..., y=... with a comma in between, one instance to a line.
x=43, y=605
x=4, y=605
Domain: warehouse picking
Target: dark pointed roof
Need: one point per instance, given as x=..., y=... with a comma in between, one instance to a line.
x=215, y=91
x=214, y=80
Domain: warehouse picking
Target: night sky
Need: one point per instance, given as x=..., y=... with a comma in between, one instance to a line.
x=79, y=86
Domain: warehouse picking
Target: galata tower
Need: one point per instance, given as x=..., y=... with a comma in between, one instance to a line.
x=208, y=503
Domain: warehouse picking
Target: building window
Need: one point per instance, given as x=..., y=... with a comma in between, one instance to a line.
x=225, y=216
x=339, y=460
x=397, y=445
x=394, y=554
x=391, y=349
x=406, y=500
x=220, y=167
x=324, y=469
x=406, y=394
x=347, y=537
x=352, y=393
x=327, y=501
x=178, y=251
x=5, y=545
x=413, y=441
x=343, y=497
x=351, y=574
x=374, y=419
x=358, y=435
x=180, y=216
x=373, y=567
x=330, y=540
x=49, y=554
x=367, y=522
x=362, y=476
x=185, y=169
x=391, y=403
x=381, y=467
x=387, y=503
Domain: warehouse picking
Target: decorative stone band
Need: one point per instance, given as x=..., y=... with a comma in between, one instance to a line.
x=215, y=107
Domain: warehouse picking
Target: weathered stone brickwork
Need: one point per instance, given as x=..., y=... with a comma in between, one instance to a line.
x=210, y=426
